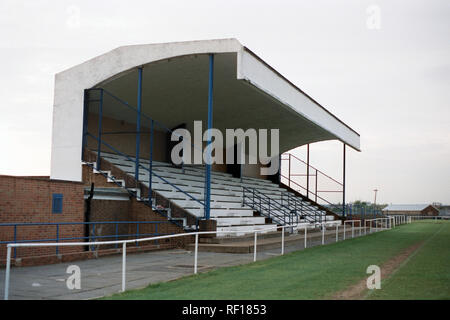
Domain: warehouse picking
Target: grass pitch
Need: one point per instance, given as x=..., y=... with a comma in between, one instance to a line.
x=320, y=272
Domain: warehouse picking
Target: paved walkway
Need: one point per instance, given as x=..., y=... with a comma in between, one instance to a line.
x=103, y=276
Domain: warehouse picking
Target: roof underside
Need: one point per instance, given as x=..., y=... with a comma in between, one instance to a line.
x=175, y=91
x=248, y=93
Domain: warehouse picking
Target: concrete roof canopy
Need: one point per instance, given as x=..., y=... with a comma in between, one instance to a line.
x=248, y=93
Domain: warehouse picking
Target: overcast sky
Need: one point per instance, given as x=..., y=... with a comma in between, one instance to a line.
x=383, y=67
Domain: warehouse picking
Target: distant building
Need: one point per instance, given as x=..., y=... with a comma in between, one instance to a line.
x=411, y=209
x=444, y=210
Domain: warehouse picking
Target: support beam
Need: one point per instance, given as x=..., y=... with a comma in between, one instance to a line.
x=208, y=143
x=151, y=163
x=138, y=125
x=289, y=172
x=99, y=134
x=343, y=184
x=307, y=170
x=85, y=122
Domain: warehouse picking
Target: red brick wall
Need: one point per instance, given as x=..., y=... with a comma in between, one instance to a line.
x=29, y=200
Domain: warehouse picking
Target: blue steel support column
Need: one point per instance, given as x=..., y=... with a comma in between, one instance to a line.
x=208, y=143
x=99, y=135
x=138, y=126
x=343, y=185
x=151, y=165
x=85, y=119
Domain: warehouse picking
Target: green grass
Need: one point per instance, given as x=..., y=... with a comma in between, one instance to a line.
x=319, y=272
x=424, y=275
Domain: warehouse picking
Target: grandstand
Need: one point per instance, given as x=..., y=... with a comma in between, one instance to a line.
x=113, y=122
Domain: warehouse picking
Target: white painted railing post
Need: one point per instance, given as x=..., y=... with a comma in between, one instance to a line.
x=353, y=229
x=344, y=230
x=196, y=253
x=337, y=233
x=254, y=246
x=7, y=273
x=282, y=240
x=306, y=235
x=323, y=234
x=360, y=227
x=124, y=265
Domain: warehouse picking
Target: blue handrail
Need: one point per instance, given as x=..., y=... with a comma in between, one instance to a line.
x=57, y=238
x=306, y=208
x=262, y=198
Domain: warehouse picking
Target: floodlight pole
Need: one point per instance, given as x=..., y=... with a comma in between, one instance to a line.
x=208, y=142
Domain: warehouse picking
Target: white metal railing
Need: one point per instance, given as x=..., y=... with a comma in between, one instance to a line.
x=196, y=234
x=435, y=218
x=386, y=223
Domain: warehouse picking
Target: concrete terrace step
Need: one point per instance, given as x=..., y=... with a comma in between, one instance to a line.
x=186, y=189
x=235, y=221
x=236, y=212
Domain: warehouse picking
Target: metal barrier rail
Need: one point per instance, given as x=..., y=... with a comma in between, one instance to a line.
x=259, y=200
x=338, y=186
x=125, y=242
x=94, y=224
x=306, y=209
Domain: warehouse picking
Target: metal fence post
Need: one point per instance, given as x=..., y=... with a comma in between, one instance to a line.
x=323, y=233
x=306, y=235
x=337, y=233
x=7, y=273
x=282, y=240
x=196, y=253
x=254, y=246
x=353, y=229
x=124, y=265
x=344, y=230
